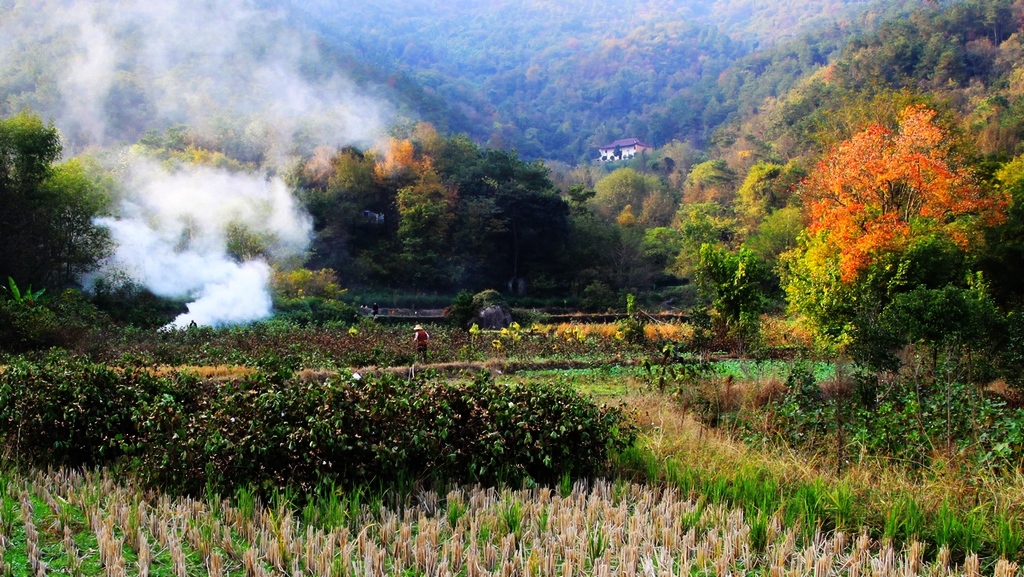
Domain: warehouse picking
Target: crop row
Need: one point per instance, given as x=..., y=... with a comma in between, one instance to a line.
x=67, y=522
x=186, y=434
x=280, y=344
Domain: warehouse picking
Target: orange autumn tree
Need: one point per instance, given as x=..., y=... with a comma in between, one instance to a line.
x=874, y=192
x=871, y=204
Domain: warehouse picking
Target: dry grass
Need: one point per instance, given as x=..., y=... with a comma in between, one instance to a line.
x=205, y=372
x=876, y=484
x=655, y=330
x=779, y=331
x=602, y=529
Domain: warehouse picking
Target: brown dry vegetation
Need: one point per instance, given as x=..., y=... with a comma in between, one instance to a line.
x=600, y=529
x=671, y=431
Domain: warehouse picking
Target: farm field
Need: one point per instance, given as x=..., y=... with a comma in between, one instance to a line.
x=88, y=524
x=696, y=493
x=511, y=288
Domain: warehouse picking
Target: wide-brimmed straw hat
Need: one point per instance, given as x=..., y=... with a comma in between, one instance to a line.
x=417, y=328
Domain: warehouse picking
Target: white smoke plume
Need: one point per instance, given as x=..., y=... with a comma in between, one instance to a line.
x=172, y=237
x=111, y=70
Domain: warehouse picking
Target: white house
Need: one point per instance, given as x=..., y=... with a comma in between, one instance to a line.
x=623, y=149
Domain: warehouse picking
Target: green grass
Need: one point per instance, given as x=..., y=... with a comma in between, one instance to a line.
x=603, y=381
x=834, y=505
x=624, y=380
x=753, y=370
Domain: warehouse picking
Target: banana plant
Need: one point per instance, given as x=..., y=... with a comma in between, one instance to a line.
x=27, y=297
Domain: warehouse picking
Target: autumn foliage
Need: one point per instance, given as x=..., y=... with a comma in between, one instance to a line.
x=874, y=192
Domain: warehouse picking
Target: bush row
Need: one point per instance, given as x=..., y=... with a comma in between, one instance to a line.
x=910, y=418
x=186, y=434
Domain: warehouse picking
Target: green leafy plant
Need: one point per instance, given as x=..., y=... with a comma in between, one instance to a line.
x=272, y=429
x=632, y=326
x=28, y=297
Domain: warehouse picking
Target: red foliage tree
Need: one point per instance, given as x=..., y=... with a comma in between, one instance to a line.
x=875, y=191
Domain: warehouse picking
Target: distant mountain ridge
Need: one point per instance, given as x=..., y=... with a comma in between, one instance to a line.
x=553, y=80
x=556, y=79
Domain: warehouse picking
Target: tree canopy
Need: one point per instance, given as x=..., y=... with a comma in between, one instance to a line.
x=46, y=209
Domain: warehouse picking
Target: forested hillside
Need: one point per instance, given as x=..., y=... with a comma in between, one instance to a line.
x=556, y=79
x=552, y=80
x=292, y=116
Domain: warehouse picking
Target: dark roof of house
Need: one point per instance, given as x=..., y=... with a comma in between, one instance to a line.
x=625, y=142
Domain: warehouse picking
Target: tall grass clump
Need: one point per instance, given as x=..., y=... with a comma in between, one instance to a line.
x=948, y=507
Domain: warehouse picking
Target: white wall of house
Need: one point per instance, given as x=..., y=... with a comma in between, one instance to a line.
x=626, y=152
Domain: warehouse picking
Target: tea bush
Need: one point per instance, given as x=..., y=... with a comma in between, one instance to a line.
x=274, y=432
x=67, y=411
x=272, y=429
x=64, y=319
x=337, y=345
x=311, y=310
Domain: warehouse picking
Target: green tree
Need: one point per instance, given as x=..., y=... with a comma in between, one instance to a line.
x=336, y=188
x=757, y=194
x=738, y=286
x=766, y=188
x=776, y=234
x=75, y=244
x=700, y=224
x=1003, y=259
x=661, y=245
x=627, y=187
x=425, y=215
x=46, y=210
x=889, y=211
x=510, y=221
x=709, y=181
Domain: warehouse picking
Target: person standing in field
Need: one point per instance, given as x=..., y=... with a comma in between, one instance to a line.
x=421, y=337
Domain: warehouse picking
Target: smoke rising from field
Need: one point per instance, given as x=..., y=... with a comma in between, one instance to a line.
x=172, y=236
x=237, y=75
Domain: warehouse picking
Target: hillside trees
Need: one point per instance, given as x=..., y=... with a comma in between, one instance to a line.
x=738, y=285
x=46, y=209
x=645, y=195
x=964, y=58
x=434, y=213
x=890, y=212
x=425, y=219
x=1003, y=262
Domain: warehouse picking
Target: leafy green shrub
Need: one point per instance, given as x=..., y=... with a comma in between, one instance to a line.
x=462, y=310
x=271, y=430
x=632, y=326
x=597, y=297
x=911, y=418
x=67, y=411
x=315, y=311
x=803, y=414
x=527, y=317
x=64, y=319
x=486, y=298
x=677, y=368
x=25, y=326
x=127, y=301
x=271, y=433
x=1011, y=358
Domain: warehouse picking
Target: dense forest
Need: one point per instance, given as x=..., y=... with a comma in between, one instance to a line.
x=555, y=80
x=432, y=208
